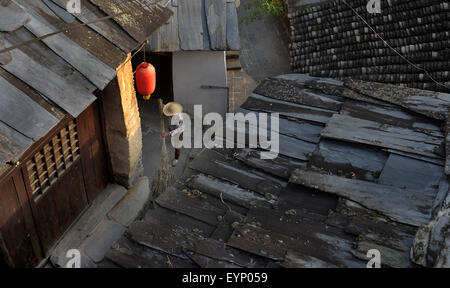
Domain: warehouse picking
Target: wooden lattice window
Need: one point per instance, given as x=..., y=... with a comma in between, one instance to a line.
x=53, y=159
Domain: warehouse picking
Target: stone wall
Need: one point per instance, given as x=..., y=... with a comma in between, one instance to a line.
x=123, y=126
x=329, y=40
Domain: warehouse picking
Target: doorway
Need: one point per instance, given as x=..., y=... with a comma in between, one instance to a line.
x=149, y=111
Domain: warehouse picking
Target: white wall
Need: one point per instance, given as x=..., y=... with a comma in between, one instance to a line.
x=191, y=70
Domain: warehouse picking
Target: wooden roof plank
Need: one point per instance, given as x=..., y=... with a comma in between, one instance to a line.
x=215, y=164
x=428, y=103
x=408, y=173
x=61, y=90
x=290, y=91
x=22, y=113
x=342, y=127
x=216, y=17
x=447, y=146
x=140, y=18
x=44, y=102
x=226, y=191
x=190, y=24
x=280, y=166
x=40, y=53
x=195, y=207
x=391, y=115
x=260, y=242
x=166, y=39
x=233, y=39
x=288, y=146
x=300, y=130
x=398, y=204
x=12, y=16
x=286, y=109
x=220, y=251
x=352, y=160
x=12, y=144
x=87, y=38
x=160, y=238
x=108, y=29
x=42, y=23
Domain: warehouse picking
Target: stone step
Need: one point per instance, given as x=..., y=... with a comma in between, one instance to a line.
x=103, y=224
x=87, y=222
x=132, y=205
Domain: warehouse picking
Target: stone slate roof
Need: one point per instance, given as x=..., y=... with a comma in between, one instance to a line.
x=44, y=80
x=361, y=166
x=198, y=25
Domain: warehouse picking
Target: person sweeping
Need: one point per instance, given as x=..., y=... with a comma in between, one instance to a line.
x=165, y=176
x=174, y=111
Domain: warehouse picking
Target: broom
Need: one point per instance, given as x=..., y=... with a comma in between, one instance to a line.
x=164, y=177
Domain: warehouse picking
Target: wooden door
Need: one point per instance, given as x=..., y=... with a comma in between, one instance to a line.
x=54, y=178
x=93, y=152
x=19, y=242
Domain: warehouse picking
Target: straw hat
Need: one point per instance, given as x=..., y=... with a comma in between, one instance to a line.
x=172, y=108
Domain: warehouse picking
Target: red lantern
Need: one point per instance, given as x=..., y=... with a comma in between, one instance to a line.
x=146, y=80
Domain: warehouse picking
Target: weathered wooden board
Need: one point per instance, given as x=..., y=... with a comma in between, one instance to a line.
x=139, y=19
x=42, y=22
x=290, y=91
x=174, y=220
x=356, y=130
x=161, y=239
x=219, y=251
x=408, y=173
x=301, y=130
x=398, y=204
x=216, y=18
x=207, y=262
x=87, y=38
x=428, y=103
x=440, y=201
x=18, y=109
x=280, y=166
x=233, y=40
x=166, y=38
x=351, y=160
x=215, y=164
x=12, y=144
x=190, y=24
x=260, y=242
x=225, y=191
x=311, y=235
x=337, y=88
x=224, y=228
x=129, y=254
x=40, y=53
x=391, y=257
x=391, y=115
x=108, y=29
x=264, y=104
x=295, y=259
x=12, y=16
x=195, y=206
x=33, y=94
x=61, y=89
x=433, y=160
x=447, y=146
